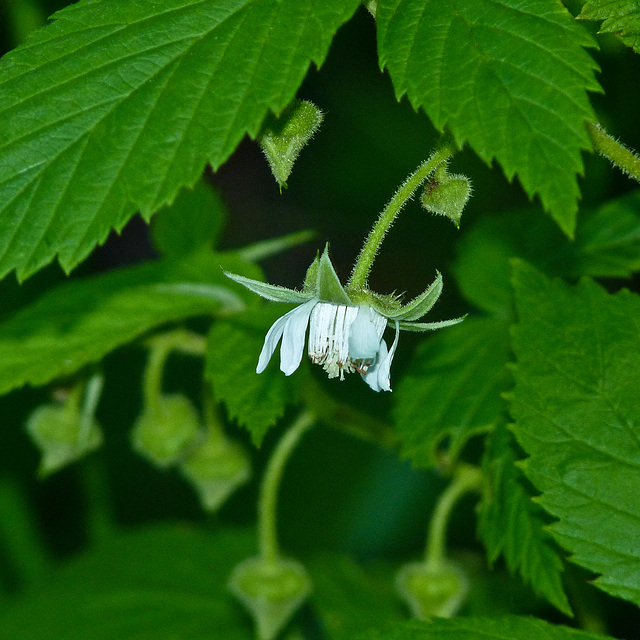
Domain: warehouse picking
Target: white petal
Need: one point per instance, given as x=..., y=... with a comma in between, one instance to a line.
x=366, y=333
x=378, y=376
x=277, y=329
x=293, y=339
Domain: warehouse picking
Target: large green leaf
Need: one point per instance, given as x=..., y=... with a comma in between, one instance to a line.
x=158, y=583
x=508, y=76
x=577, y=416
x=511, y=524
x=607, y=244
x=255, y=401
x=80, y=321
x=116, y=105
x=504, y=628
x=452, y=388
x=621, y=17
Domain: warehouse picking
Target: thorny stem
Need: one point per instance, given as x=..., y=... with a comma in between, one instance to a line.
x=619, y=155
x=267, y=503
x=466, y=478
x=362, y=267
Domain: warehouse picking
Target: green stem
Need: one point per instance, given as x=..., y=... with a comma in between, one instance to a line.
x=267, y=503
x=619, y=155
x=466, y=478
x=160, y=346
x=362, y=267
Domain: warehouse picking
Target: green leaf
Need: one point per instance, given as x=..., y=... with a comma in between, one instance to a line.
x=512, y=525
x=351, y=597
x=503, y=628
x=509, y=77
x=116, y=105
x=162, y=582
x=452, y=389
x=81, y=321
x=577, y=416
x=192, y=222
x=255, y=401
x=620, y=17
x=607, y=244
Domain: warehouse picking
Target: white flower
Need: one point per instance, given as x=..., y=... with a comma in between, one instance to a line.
x=344, y=336
x=343, y=339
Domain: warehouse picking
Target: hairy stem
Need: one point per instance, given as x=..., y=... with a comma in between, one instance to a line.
x=619, y=155
x=363, y=264
x=267, y=503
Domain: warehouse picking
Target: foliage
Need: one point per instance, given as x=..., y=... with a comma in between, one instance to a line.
x=130, y=399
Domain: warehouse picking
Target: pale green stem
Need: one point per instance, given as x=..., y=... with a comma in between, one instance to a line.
x=619, y=155
x=160, y=347
x=466, y=478
x=92, y=393
x=362, y=267
x=267, y=503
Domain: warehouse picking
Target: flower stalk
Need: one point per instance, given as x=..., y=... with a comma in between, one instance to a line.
x=267, y=504
x=364, y=262
x=619, y=155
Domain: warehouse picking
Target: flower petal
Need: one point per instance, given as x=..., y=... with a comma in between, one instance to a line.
x=378, y=376
x=366, y=333
x=295, y=329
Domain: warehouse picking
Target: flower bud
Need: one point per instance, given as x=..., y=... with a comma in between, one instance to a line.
x=283, y=138
x=58, y=432
x=216, y=469
x=432, y=592
x=165, y=433
x=446, y=195
x=271, y=591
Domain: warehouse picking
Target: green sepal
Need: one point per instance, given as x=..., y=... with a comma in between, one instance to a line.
x=429, y=326
x=328, y=286
x=430, y=592
x=311, y=277
x=422, y=304
x=271, y=292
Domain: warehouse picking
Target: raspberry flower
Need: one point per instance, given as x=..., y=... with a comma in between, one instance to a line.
x=345, y=328
x=346, y=324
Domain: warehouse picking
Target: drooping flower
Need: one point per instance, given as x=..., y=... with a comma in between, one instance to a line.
x=345, y=327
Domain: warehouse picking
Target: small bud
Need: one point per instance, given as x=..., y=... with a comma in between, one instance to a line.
x=216, y=469
x=428, y=592
x=271, y=591
x=164, y=434
x=447, y=195
x=283, y=138
x=58, y=432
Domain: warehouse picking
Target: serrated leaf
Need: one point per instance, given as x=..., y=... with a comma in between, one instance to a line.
x=81, y=321
x=256, y=401
x=577, y=416
x=607, y=244
x=193, y=221
x=116, y=105
x=511, y=627
x=620, y=17
x=510, y=524
x=452, y=389
x=161, y=582
x=509, y=77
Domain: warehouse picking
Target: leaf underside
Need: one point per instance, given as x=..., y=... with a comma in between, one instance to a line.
x=508, y=76
x=577, y=416
x=114, y=106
